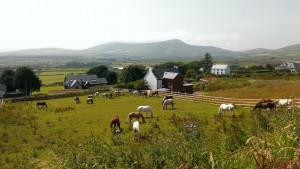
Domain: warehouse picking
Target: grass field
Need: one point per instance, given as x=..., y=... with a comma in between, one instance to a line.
x=51, y=76
x=25, y=129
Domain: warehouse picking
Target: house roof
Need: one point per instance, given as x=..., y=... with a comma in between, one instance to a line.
x=2, y=87
x=170, y=75
x=159, y=72
x=219, y=66
x=291, y=65
x=92, y=79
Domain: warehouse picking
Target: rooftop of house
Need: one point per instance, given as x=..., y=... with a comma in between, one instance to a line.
x=219, y=66
x=92, y=79
x=170, y=75
x=159, y=72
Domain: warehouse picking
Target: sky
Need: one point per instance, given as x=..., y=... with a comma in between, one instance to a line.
x=79, y=24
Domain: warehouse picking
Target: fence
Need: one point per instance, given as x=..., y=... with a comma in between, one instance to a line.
x=218, y=100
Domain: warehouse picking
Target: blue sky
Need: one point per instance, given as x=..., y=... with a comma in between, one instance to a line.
x=79, y=24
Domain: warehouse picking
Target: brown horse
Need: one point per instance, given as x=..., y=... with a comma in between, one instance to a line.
x=42, y=104
x=144, y=94
x=115, y=122
x=136, y=115
x=153, y=93
x=265, y=104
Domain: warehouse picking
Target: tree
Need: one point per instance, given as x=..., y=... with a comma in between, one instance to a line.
x=111, y=77
x=100, y=71
x=7, y=78
x=132, y=73
x=207, y=63
x=26, y=81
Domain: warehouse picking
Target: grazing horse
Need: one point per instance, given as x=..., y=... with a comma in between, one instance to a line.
x=285, y=102
x=136, y=129
x=265, y=104
x=152, y=93
x=105, y=95
x=144, y=94
x=167, y=102
x=77, y=100
x=42, y=104
x=96, y=94
x=135, y=93
x=115, y=122
x=136, y=115
x=145, y=109
x=226, y=107
x=90, y=99
x=166, y=97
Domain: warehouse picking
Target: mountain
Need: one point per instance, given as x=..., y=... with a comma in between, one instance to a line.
x=164, y=50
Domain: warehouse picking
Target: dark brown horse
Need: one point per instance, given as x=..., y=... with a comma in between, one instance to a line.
x=136, y=115
x=265, y=104
x=42, y=104
x=115, y=122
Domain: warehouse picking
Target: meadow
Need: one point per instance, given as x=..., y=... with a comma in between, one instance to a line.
x=70, y=135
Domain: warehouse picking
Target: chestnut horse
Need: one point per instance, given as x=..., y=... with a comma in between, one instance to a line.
x=115, y=122
x=136, y=115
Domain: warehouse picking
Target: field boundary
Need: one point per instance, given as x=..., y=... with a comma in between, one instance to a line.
x=218, y=100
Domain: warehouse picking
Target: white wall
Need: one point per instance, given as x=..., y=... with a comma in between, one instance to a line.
x=151, y=80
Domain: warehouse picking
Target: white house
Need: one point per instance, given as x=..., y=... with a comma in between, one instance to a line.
x=2, y=90
x=154, y=77
x=220, y=69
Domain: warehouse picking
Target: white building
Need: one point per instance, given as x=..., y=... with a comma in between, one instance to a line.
x=220, y=69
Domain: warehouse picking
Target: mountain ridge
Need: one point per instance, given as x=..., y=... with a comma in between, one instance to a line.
x=173, y=48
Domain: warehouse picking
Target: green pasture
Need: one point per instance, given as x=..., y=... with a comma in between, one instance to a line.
x=25, y=129
x=51, y=76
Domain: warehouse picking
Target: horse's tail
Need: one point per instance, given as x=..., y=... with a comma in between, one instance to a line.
x=111, y=124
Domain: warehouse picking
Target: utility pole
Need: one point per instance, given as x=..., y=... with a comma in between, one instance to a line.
x=236, y=68
x=25, y=87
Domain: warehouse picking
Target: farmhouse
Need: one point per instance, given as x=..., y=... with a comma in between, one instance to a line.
x=168, y=78
x=220, y=69
x=291, y=66
x=2, y=90
x=83, y=81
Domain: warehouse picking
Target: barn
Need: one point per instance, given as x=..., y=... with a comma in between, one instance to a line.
x=168, y=78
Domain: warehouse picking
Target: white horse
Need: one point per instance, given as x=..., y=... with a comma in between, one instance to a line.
x=147, y=109
x=226, y=107
x=167, y=102
x=96, y=94
x=136, y=128
x=285, y=102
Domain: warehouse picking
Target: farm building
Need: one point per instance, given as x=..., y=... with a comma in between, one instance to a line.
x=2, y=90
x=220, y=69
x=168, y=78
x=83, y=81
x=291, y=66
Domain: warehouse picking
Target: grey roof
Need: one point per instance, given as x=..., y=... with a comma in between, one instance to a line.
x=2, y=87
x=219, y=66
x=170, y=75
x=159, y=72
x=92, y=79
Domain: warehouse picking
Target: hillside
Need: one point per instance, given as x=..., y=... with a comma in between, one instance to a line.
x=164, y=50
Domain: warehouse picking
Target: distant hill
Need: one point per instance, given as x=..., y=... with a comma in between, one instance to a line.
x=170, y=49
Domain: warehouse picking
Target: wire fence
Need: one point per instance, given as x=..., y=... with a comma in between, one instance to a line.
x=219, y=100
